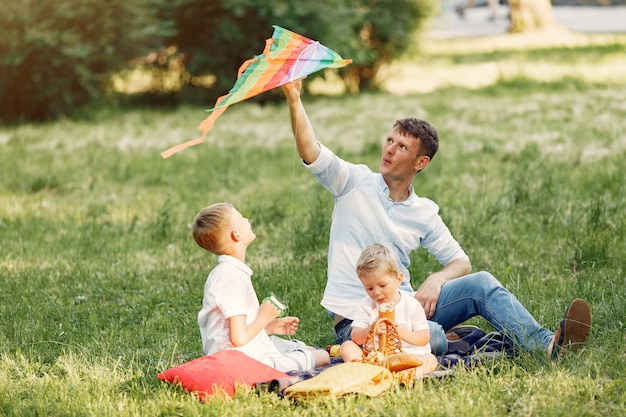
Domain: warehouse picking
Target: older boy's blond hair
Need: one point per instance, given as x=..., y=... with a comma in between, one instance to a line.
x=375, y=257
x=210, y=225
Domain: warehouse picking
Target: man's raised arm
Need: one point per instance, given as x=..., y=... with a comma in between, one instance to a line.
x=308, y=147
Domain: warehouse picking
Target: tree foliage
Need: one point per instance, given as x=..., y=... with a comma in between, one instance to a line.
x=215, y=37
x=55, y=54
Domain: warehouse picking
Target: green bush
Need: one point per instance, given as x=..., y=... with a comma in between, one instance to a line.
x=55, y=55
x=58, y=55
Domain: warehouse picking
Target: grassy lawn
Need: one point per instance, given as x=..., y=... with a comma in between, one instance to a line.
x=102, y=282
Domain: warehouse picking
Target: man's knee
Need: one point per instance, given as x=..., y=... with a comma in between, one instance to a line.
x=485, y=281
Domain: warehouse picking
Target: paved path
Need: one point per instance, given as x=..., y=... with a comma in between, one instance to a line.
x=610, y=19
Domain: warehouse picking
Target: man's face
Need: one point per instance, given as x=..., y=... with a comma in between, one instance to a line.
x=399, y=156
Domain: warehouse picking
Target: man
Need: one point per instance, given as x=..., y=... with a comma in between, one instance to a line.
x=383, y=208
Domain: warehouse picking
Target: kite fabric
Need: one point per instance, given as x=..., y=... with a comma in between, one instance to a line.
x=287, y=57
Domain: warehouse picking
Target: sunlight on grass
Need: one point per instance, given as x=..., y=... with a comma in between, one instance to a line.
x=422, y=78
x=73, y=385
x=520, y=42
x=433, y=69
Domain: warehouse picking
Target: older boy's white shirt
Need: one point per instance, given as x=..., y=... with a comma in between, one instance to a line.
x=409, y=314
x=228, y=292
x=364, y=214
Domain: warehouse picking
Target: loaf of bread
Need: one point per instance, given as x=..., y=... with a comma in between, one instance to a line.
x=401, y=361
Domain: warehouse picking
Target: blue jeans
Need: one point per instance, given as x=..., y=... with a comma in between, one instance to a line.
x=480, y=294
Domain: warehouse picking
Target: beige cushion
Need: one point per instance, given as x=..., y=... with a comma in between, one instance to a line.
x=345, y=378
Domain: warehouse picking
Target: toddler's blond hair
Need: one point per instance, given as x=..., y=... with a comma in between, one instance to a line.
x=377, y=256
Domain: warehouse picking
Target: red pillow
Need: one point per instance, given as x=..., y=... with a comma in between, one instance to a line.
x=219, y=373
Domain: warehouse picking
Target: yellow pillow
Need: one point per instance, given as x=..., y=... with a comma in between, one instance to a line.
x=345, y=378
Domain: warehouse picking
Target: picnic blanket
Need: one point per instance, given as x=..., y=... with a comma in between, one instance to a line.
x=472, y=346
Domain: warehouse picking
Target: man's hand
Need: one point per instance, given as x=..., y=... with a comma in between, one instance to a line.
x=428, y=294
x=292, y=90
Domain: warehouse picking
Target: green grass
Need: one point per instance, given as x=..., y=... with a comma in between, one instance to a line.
x=101, y=280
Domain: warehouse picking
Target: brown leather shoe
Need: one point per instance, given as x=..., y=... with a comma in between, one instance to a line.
x=573, y=329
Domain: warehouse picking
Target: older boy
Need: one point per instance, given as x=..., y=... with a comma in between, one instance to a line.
x=231, y=317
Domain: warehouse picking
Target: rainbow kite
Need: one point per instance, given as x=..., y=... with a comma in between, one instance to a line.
x=287, y=56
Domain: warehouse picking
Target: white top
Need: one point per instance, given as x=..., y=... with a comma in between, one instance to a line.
x=363, y=215
x=228, y=292
x=409, y=315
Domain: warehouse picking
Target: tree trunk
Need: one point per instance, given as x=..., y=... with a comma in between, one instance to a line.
x=531, y=16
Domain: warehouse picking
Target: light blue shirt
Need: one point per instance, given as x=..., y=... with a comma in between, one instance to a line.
x=364, y=214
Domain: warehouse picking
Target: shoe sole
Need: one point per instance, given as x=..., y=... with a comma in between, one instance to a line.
x=575, y=327
x=460, y=331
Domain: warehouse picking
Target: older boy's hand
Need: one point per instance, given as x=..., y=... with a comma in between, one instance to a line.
x=268, y=311
x=284, y=326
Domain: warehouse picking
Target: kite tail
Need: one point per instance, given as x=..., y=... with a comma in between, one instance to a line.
x=205, y=126
x=268, y=71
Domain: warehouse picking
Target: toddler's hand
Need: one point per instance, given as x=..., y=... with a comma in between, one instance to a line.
x=381, y=329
